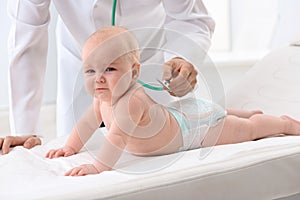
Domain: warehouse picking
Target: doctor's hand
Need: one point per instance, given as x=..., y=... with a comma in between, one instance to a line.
x=28, y=141
x=182, y=76
x=61, y=152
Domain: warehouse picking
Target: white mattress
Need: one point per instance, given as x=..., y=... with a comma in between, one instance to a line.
x=264, y=169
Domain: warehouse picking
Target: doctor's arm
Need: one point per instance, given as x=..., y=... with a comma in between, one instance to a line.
x=188, y=39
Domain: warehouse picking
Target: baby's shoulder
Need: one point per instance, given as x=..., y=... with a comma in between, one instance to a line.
x=136, y=97
x=132, y=102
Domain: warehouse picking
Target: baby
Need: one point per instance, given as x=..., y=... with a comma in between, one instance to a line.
x=138, y=124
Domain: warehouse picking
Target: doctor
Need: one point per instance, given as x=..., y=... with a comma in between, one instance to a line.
x=28, y=43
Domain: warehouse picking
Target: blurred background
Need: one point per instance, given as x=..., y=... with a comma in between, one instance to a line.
x=246, y=30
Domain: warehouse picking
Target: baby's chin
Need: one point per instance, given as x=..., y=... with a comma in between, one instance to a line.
x=104, y=96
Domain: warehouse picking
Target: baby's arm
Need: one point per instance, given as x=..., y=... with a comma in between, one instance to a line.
x=81, y=132
x=110, y=152
x=121, y=129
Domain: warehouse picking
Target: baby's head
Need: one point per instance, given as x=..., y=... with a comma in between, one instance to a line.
x=115, y=40
x=111, y=62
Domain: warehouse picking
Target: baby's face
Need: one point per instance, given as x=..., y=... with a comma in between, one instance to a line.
x=111, y=81
x=108, y=65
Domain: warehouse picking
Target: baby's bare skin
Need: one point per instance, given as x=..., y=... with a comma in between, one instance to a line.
x=156, y=136
x=135, y=122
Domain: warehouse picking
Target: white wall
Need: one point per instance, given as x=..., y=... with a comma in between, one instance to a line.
x=50, y=84
x=252, y=24
x=287, y=27
x=220, y=11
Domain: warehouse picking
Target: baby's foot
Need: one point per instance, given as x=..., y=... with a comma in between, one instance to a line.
x=294, y=128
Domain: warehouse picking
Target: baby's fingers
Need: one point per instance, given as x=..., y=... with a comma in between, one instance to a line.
x=68, y=172
x=73, y=172
x=83, y=172
x=59, y=153
x=53, y=153
x=68, y=153
x=50, y=153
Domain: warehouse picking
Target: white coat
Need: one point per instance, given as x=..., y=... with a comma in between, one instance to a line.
x=28, y=43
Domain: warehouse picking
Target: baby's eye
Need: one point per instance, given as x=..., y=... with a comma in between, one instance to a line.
x=110, y=69
x=90, y=71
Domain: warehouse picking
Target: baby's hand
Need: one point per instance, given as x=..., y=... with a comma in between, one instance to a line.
x=82, y=170
x=61, y=152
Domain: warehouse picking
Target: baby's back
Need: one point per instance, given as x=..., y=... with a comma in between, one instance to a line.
x=157, y=132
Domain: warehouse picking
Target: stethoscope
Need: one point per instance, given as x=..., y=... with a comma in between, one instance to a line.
x=164, y=83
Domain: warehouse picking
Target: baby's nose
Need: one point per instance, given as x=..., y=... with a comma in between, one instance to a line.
x=100, y=78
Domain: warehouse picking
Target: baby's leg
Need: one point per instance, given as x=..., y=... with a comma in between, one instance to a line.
x=243, y=113
x=235, y=129
x=294, y=125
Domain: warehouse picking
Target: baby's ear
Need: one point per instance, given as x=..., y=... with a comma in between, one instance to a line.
x=136, y=70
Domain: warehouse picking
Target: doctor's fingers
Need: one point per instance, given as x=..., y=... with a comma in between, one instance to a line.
x=180, y=86
x=189, y=74
x=184, y=78
x=10, y=141
x=1, y=142
x=176, y=66
x=167, y=71
x=171, y=68
x=31, y=142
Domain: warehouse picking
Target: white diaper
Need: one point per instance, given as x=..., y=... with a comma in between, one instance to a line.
x=195, y=117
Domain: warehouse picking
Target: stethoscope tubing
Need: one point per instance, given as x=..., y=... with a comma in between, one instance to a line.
x=113, y=22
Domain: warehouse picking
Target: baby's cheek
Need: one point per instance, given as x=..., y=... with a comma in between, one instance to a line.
x=89, y=86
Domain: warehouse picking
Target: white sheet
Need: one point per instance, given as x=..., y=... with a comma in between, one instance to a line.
x=263, y=169
x=25, y=174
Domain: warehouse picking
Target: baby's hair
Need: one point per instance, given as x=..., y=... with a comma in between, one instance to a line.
x=117, y=31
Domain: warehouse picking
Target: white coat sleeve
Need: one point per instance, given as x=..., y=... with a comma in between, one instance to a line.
x=27, y=46
x=191, y=28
